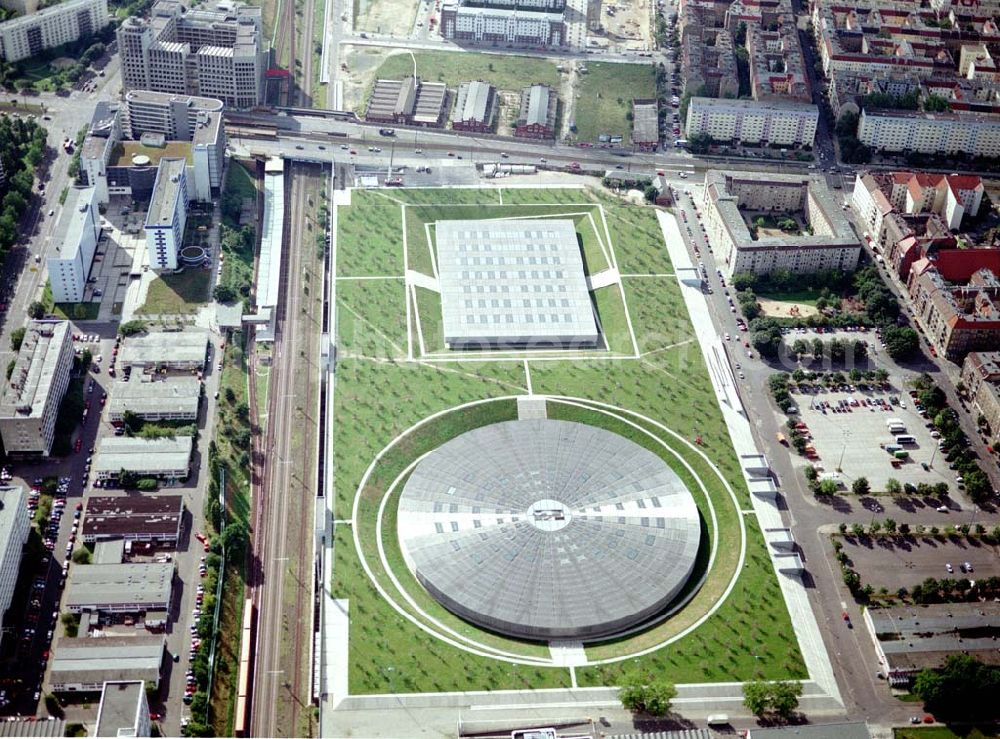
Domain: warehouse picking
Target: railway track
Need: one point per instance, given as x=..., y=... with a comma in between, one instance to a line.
x=282, y=696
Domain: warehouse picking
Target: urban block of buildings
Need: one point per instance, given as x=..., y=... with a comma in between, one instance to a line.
x=909, y=639
x=76, y=233
x=645, y=124
x=957, y=318
x=774, y=122
x=154, y=399
x=825, y=240
x=166, y=218
x=537, y=117
x=167, y=457
x=123, y=710
x=37, y=29
x=981, y=375
x=476, y=105
x=504, y=22
x=15, y=524
x=217, y=52
x=30, y=400
x=142, y=518
x=181, y=350
x=708, y=57
x=84, y=664
x=409, y=101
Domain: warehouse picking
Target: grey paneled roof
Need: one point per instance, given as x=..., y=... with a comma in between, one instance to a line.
x=548, y=529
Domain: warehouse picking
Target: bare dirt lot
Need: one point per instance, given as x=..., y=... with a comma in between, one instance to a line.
x=906, y=562
x=627, y=22
x=393, y=17
x=785, y=309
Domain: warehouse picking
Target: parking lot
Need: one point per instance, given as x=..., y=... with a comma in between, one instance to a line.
x=904, y=563
x=851, y=435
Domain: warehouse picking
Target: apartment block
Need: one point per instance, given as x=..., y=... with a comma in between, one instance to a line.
x=30, y=400
x=77, y=232
x=957, y=319
x=503, y=23
x=931, y=133
x=751, y=122
x=952, y=197
x=27, y=35
x=15, y=524
x=979, y=368
x=777, y=67
x=167, y=215
x=709, y=61
x=217, y=52
x=731, y=202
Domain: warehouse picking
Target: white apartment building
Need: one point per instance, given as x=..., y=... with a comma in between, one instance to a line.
x=753, y=122
x=30, y=400
x=123, y=711
x=731, y=200
x=167, y=215
x=215, y=52
x=507, y=25
x=77, y=232
x=27, y=35
x=931, y=133
x=15, y=523
x=870, y=203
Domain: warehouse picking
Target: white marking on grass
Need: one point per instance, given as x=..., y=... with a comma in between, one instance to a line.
x=621, y=286
x=416, y=316
x=527, y=377
x=665, y=348
x=406, y=262
x=370, y=277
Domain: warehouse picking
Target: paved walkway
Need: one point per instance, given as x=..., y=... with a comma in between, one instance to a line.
x=531, y=407
x=768, y=516
x=421, y=280
x=604, y=278
x=568, y=653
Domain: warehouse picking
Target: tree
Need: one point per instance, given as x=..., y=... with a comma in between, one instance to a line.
x=650, y=193
x=901, y=342
x=127, y=480
x=651, y=698
x=226, y=294
x=234, y=539
x=860, y=486
x=785, y=697
x=828, y=487
x=893, y=486
x=756, y=696
x=699, y=143
x=963, y=687
x=36, y=310
x=230, y=395
x=847, y=124
x=16, y=337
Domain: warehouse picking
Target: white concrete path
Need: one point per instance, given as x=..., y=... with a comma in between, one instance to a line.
x=568, y=653
x=421, y=280
x=529, y=407
x=604, y=278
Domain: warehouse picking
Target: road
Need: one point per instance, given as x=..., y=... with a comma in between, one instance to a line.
x=283, y=509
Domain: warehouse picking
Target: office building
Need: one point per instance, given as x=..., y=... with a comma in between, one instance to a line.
x=153, y=399
x=773, y=123
x=957, y=319
x=645, y=124
x=733, y=203
x=125, y=144
x=409, y=101
x=123, y=710
x=501, y=24
x=539, y=107
x=27, y=35
x=146, y=517
x=15, y=524
x=84, y=664
x=76, y=233
x=119, y=588
x=167, y=215
x=475, y=107
x=30, y=400
x=166, y=457
x=157, y=350
x=909, y=639
x=970, y=134
x=217, y=52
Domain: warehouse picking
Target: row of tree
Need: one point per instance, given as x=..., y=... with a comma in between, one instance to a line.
x=777, y=700
x=22, y=150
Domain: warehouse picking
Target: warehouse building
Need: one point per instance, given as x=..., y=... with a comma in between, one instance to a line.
x=15, y=524
x=909, y=639
x=409, y=101
x=139, y=518
x=475, y=107
x=182, y=350
x=119, y=588
x=537, y=118
x=123, y=711
x=30, y=400
x=84, y=664
x=173, y=399
x=168, y=458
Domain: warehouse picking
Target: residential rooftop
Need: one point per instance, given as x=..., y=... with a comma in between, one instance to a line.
x=35, y=367
x=166, y=192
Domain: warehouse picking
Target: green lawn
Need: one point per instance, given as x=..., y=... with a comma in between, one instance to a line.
x=69, y=311
x=943, y=732
x=380, y=395
x=605, y=96
x=177, y=294
x=453, y=68
x=805, y=297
